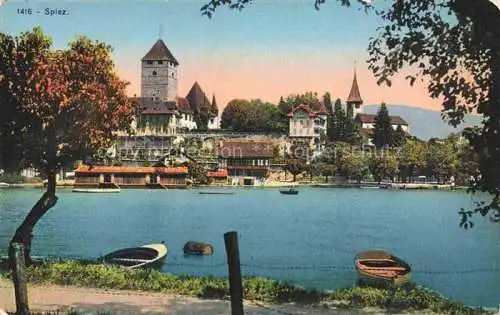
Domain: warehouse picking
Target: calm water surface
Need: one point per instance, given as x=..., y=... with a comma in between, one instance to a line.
x=317, y=227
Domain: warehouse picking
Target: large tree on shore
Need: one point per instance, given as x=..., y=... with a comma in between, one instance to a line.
x=382, y=132
x=454, y=46
x=74, y=100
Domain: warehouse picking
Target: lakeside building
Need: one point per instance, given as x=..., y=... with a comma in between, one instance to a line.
x=309, y=126
x=131, y=176
x=160, y=109
x=247, y=162
x=366, y=124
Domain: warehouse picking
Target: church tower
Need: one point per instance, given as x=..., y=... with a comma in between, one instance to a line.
x=159, y=73
x=354, y=99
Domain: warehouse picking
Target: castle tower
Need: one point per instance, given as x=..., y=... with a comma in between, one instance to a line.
x=354, y=99
x=159, y=73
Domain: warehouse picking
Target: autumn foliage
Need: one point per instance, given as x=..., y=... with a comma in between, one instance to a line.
x=66, y=104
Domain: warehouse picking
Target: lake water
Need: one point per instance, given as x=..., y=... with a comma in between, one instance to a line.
x=301, y=238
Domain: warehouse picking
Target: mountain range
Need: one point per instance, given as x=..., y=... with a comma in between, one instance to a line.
x=424, y=123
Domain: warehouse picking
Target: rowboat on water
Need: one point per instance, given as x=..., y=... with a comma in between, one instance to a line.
x=290, y=191
x=97, y=190
x=146, y=256
x=377, y=267
x=216, y=192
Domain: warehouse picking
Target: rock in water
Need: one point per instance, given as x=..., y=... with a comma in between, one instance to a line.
x=198, y=248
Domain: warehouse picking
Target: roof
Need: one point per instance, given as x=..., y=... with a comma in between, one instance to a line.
x=354, y=96
x=303, y=107
x=84, y=169
x=183, y=105
x=215, y=109
x=196, y=97
x=160, y=51
x=370, y=119
x=322, y=110
x=239, y=149
x=218, y=173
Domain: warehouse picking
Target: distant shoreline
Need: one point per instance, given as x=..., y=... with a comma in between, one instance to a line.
x=390, y=186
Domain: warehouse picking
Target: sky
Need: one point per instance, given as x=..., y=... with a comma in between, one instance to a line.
x=270, y=49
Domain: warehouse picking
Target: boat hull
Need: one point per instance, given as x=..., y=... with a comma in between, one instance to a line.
x=96, y=190
x=146, y=256
x=287, y=192
x=381, y=269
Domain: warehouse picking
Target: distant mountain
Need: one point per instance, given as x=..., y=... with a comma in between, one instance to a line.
x=424, y=123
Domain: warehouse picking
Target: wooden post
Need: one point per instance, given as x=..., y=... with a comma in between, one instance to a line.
x=19, y=279
x=233, y=262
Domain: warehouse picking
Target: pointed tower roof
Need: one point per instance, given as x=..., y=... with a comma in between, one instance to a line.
x=160, y=51
x=215, y=109
x=196, y=97
x=354, y=96
x=322, y=110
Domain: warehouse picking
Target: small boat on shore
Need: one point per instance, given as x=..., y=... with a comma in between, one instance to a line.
x=377, y=267
x=290, y=191
x=97, y=190
x=146, y=256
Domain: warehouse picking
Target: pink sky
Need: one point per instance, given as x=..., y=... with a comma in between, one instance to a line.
x=236, y=75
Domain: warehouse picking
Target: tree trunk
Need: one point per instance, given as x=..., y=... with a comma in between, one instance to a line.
x=24, y=232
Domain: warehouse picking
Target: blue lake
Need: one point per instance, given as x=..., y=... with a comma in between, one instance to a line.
x=284, y=237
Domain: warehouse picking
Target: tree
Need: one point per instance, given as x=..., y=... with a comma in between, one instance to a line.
x=383, y=165
x=337, y=123
x=74, y=100
x=411, y=158
x=234, y=115
x=198, y=173
x=399, y=137
x=353, y=165
x=254, y=115
x=382, y=133
x=327, y=101
x=455, y=46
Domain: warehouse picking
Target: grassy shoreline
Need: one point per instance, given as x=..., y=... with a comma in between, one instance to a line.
x=92, y=275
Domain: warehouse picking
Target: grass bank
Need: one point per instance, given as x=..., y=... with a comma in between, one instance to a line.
x=87, y=274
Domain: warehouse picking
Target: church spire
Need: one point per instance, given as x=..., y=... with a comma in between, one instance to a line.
x=354, y=95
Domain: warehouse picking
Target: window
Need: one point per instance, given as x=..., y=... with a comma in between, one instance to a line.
x=154, y=73
x=160, y=62
x=150, y=62
x=172, y=74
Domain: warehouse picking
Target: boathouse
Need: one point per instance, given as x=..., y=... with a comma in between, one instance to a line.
x=131, y=176
x=246, y=161
x=218, y=177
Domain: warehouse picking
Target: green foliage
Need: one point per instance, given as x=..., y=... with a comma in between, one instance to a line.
x=353, y=164
x=383, y=133
x=252, y=116
x=198, y=173
x=383, y=165
x=340, y=127
x=336, y=123
x=442, y=159
x=411, y=158
x=399, y=137
x=12, y=178
x=88, y=274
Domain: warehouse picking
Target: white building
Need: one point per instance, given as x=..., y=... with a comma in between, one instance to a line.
x=309, y=125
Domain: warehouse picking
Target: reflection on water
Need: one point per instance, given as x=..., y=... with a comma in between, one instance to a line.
x=318, y=227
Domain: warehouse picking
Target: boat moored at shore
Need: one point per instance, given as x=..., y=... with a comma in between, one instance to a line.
x=377, y=267
x=146, y=256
